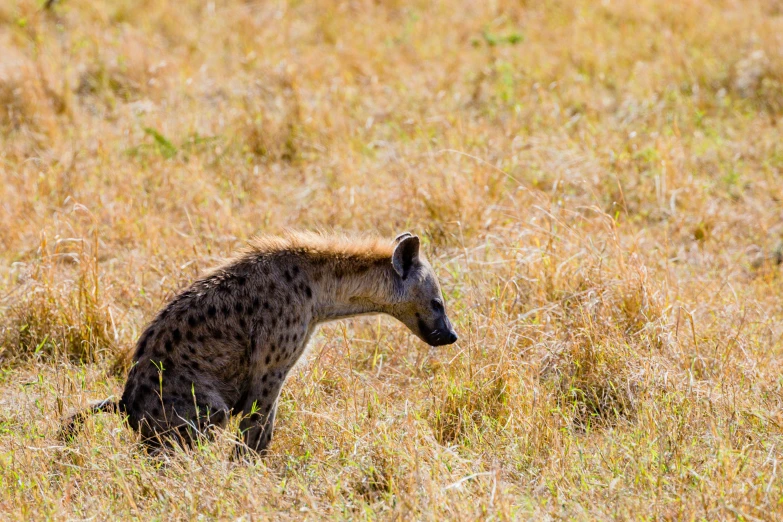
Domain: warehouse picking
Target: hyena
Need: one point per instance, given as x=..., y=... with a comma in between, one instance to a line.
x=225, y=344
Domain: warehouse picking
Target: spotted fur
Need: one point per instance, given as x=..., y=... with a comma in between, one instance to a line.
x=225, y=344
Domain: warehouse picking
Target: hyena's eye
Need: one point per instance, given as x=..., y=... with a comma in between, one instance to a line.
x=437, y=305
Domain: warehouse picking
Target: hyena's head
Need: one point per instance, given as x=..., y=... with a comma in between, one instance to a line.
x=419, y=304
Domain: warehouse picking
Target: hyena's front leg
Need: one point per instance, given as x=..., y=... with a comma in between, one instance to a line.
x=258, y=413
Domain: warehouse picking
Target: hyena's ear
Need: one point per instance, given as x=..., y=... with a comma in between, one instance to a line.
x=402, y=236
x=406, y=254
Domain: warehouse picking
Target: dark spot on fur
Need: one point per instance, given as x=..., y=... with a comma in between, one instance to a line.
x=295, y=270
x=296, y=336
x=242, y=323
x=254, y=306
x=265, y=392
x=268, y=359
x=266, y=305
x=272, y=286
x=308, y=292
x=225, y=309
x=154, y=379
x=185, y=357
x=195, y=365
x=176, y=335
x=263, y=379
x=192, y=321
x=144, y=390
x=191, y=349
x=241, y=280
x=217, y=334
x=189, y=336
x=169, y=346
x=238, y=308
x=238, y=336
x=201, y=338
x=288, y=276
x=142, y=347
x=155, y=411
x=211, y=311
x=272, y=347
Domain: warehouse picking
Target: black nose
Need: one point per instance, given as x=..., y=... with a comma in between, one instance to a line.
x=441, y=338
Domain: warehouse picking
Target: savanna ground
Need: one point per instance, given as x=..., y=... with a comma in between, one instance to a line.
x=598, y=185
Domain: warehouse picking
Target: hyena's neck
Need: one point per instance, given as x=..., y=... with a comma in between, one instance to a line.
x=348, y=287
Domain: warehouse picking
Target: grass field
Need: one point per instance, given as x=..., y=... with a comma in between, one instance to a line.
x=598, y=184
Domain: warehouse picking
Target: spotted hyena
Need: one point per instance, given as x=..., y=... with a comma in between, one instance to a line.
x=226, y=344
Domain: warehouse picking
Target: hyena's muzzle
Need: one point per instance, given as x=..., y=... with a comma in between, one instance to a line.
x=439, y=334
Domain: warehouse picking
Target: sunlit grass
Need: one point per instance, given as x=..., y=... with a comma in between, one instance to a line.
x=596, y=183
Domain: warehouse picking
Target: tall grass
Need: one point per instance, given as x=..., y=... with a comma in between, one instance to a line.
x=597, y=185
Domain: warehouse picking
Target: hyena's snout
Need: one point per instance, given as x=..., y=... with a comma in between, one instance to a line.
x=450, y=338
x=442, y=334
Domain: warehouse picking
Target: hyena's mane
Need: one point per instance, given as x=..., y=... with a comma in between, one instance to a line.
x=320, y=245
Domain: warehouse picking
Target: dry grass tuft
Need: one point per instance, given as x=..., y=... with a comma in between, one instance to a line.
x=469, y=410
x=616, y=332
x=596, y=384
x=27, y=104
x=129, y=69
x=62, y=316
x=270, y=126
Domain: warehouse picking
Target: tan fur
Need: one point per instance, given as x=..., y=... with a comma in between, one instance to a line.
x=322, y=245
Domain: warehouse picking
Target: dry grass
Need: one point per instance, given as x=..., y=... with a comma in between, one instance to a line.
x=598, y=185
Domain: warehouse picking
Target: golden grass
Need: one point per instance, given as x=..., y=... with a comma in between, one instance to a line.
x=598, y=185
